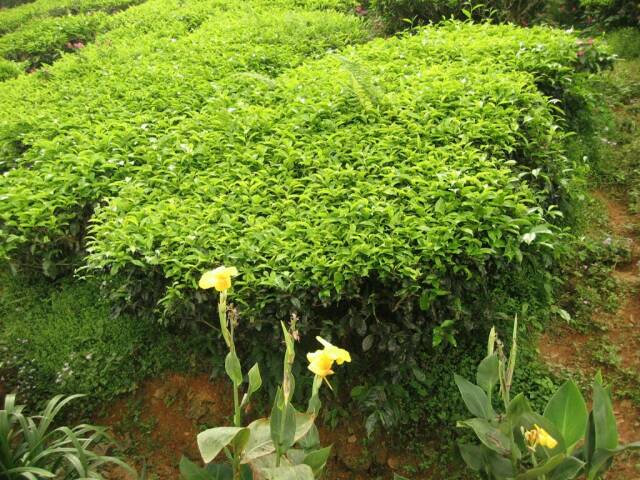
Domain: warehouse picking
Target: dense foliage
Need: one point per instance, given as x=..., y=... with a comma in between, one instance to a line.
x=399, y=14
x=380, y=192
x=61, y=339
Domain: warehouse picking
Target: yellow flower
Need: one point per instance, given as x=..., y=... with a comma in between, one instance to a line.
x=338, y=355
x=545, y=439
x=539, y=436
x=219, y=278
x=320, y=363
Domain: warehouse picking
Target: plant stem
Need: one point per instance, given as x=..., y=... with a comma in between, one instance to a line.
x=236, y=406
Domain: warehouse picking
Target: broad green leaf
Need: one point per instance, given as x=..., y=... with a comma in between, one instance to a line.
x=488, y=373
x=317, y=459
x=567, y=410
x=604, y=420
x=296, y=472
x=260, y=442
x=282, y=423
x=191, y=471
x=255, y=382
x=568, y=469
x=546, y=467
x=212, y=441
x=489, y=435
x=233, y=368
x=474, y=398
x=472, y=456
x=498, y=464
x=311, y=440
x=517, y=408
x=602, y=458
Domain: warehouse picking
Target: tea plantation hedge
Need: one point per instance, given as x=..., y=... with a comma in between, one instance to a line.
x=15, y=18
x=91, y=120
x=388, y=180
x=376, y=190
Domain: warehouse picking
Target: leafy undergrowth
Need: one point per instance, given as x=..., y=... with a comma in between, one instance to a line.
x=60, y=338
x=605, y=288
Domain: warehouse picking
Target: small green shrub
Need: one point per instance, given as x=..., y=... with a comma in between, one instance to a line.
x=31, y=446
x=43, y=41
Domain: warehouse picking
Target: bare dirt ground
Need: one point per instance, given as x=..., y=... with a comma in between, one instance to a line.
x=570, y=350
x=159, y=424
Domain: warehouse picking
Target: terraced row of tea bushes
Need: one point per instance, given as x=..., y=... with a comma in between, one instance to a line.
x=43, y=41
x=116, y=125
x=381, y=189
x=15, y=18
x=102, y=115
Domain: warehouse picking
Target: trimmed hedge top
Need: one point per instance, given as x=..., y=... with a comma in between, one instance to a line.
x=380, y=187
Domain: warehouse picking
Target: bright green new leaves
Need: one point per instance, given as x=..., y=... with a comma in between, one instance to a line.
x=567, y=410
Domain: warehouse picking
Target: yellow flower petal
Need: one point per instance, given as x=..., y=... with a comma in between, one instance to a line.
x=218, y=278
x=320, y=363
x=339, y=355
x=539, y=436
x=545, y=439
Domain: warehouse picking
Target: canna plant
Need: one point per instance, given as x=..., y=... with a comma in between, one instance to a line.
x=284, y=446
x=567, y=441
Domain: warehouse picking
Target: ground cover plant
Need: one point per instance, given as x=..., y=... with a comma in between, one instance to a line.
x=35, y=447
x=62, y=339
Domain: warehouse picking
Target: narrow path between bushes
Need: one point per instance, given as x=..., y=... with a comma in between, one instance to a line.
x=612, y=344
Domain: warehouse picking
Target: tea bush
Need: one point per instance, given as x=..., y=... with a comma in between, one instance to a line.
x=43, y=41
x=382, y=194
x=15, y=18
x=401, y=14
x=379, y=192
x=9, y=69
x=114, y=96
